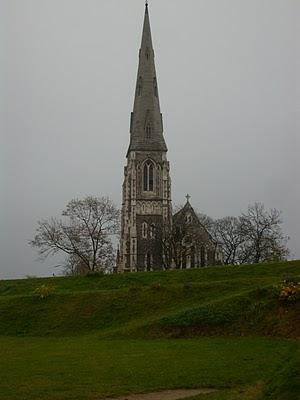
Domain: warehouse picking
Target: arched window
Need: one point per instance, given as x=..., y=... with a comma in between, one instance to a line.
x=155, y=87
x=144, y=230
x=148, y=130
x=148, y=176
x=140, y=86
x=152, y=231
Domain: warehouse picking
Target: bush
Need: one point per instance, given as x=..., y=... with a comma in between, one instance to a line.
x=44, y=291
x=289, y=291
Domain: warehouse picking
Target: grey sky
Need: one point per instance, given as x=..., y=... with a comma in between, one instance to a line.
x=228, y=75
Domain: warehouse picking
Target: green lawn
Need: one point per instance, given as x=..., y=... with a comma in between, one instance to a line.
x=103, y=336
x=272, y=272
x=220, y=300
x=88, y=368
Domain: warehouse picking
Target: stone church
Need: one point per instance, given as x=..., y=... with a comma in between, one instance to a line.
x=147, y=221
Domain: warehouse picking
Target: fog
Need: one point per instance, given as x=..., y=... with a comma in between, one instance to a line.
x=228, y=74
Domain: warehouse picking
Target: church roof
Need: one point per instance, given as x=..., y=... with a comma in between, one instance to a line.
x=187, y=208
x=180, y=217
x=146, y=127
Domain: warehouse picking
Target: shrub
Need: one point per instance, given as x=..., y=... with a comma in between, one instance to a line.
x=44, y=291
x=289, y=291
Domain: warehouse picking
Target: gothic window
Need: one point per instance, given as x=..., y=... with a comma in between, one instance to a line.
x=148, y=176
x=148, y=130
x=144, y=230
x=140, y=86
x=155, y=87
x=152, y=231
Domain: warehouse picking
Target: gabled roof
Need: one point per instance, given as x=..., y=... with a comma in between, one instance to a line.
x=187, y=208
x=180, y=217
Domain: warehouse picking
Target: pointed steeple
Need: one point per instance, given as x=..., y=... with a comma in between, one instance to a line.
x=146, y=127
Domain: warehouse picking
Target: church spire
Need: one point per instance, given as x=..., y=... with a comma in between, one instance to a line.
x=146, y=127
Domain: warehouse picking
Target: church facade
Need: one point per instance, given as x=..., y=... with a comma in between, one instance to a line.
x=146, y=199
x=191, y=244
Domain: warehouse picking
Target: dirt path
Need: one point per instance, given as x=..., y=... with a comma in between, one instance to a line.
x=166, y=395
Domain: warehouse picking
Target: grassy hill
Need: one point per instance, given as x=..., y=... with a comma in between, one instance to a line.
x=220, y=300
x=151, y=331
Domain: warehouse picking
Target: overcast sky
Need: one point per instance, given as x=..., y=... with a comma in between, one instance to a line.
x=228, y=74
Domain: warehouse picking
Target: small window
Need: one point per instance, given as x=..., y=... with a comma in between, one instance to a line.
x=140, y=86
x=144, y=230
x=152, y=231
x=155, y=87
x=189, y=218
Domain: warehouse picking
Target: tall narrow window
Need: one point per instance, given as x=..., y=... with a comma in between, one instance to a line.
x=155, y=87
x=152, y=231
x=144, y=230
x=148, y=176
x=148, y=131
x=140, y=86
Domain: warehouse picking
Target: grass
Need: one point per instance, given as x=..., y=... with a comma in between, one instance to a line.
x=286, y=383
x=87, y=368
x=103, y=336
x=272, y=272
x=231, y=300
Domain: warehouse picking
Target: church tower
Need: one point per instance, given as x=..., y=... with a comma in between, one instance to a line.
x=146, y=205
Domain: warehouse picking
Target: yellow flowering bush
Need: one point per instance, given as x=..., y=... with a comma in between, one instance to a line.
x=289, y=291
x=44, y=291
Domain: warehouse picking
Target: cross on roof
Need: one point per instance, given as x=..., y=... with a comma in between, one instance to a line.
x=188, y=198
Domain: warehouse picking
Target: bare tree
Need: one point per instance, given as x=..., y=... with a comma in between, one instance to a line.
x=206, y=221
x=173, y=237
x=73, y=265
x=227, y=233
x=84, y=234
x=264, y=239
x=256, y=236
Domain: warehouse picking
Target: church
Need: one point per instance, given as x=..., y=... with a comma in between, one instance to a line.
x=152, y=238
